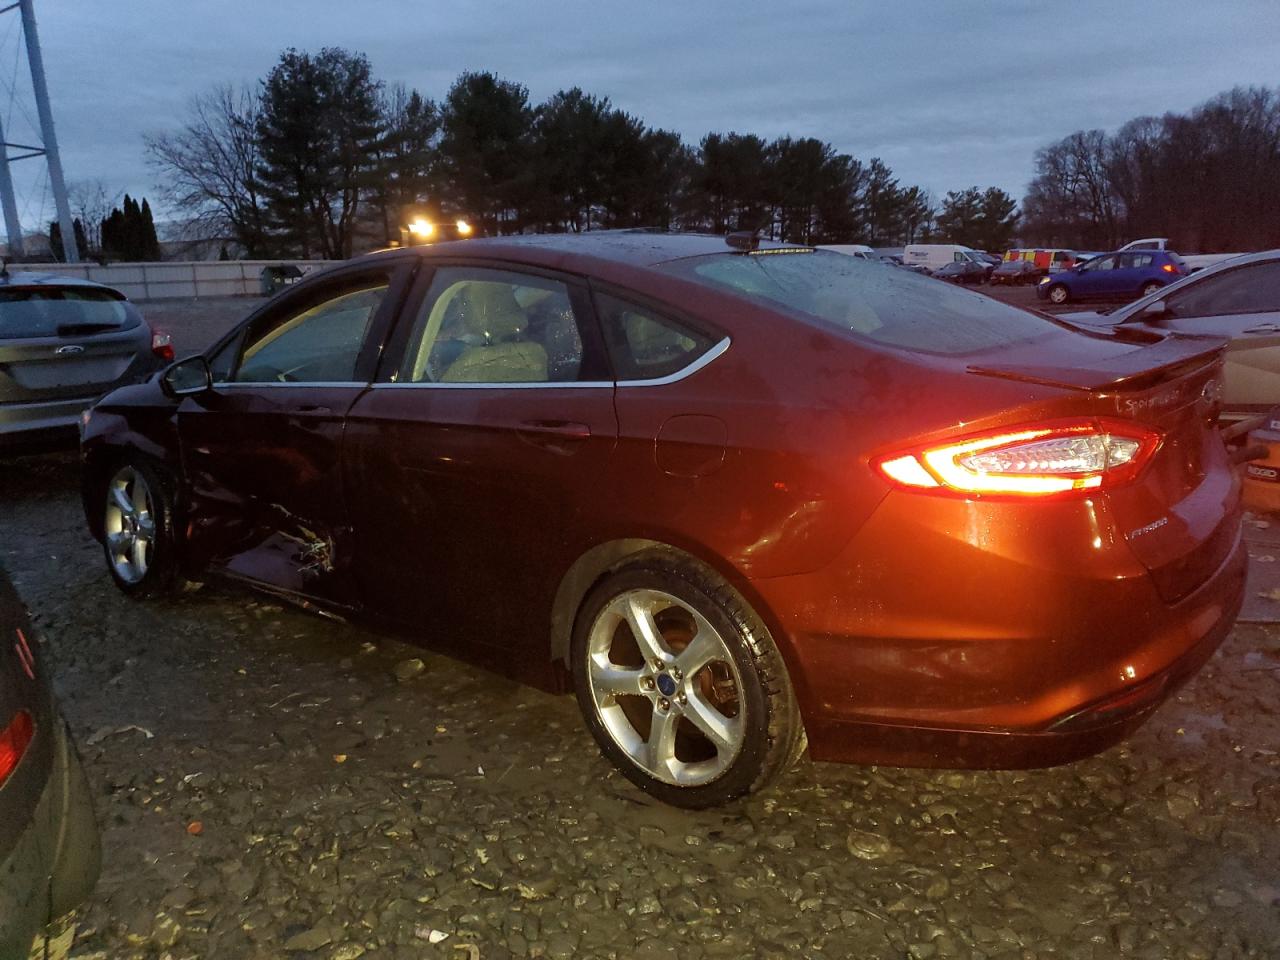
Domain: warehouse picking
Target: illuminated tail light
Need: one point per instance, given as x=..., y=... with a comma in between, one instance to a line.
x=14, y=740
x=1168, y=268
x=1057, y=458
x=162, y=345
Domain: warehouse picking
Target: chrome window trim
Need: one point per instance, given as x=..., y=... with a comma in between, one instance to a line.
x=710, y=356
x=537, y=385
x=222, y=384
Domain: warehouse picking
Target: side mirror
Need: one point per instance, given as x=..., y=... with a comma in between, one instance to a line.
x=187, y=377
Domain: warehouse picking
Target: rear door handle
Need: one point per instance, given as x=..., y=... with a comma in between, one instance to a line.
x=559, y=436
x=314, y=408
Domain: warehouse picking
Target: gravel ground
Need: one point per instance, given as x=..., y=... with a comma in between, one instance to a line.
x=269, y=787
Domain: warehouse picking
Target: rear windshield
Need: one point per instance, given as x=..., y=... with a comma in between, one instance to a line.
x=58, y=311
x=879, y=302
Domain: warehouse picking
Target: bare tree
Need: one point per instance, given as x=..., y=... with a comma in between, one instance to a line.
x=210, y=167
x=91, y=203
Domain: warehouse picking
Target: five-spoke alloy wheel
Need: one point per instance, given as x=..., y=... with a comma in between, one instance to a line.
x=137, y=528
x=682, y=685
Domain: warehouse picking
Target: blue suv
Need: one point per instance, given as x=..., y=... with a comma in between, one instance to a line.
x=1114, y=276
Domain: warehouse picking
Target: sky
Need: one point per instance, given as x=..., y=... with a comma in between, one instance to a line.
x=948, y=94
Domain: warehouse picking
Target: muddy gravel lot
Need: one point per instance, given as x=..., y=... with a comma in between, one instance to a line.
x=274, y=784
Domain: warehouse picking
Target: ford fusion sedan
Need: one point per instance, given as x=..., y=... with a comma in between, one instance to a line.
x=1113, y=276
x=65, y=342
x=49, y=847
x=1237, y=300
x=736, y=497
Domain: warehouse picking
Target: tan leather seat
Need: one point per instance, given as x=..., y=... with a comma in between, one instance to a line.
x=492, y=315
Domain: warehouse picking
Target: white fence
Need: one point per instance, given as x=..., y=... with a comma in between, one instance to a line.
x=160, y=281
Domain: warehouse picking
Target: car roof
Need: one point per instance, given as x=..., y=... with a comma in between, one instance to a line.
x=634, y=248
x=25, y=278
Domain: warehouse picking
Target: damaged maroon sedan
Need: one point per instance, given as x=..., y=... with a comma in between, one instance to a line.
x=738, y=497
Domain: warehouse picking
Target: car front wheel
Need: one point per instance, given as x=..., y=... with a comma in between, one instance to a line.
x=1059, y=294
x=137, y=529
x=682, y=685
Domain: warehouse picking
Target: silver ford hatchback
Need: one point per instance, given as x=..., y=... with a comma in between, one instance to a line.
x=64, y=342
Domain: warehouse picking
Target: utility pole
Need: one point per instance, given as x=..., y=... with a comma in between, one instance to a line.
x=56, y=184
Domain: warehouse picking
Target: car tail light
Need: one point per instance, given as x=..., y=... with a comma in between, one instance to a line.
x=14, y=740
x=162, y=345
x=1168, y=268
x=1053, y=459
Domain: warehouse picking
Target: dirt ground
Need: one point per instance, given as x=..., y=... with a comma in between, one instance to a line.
x=269, y=787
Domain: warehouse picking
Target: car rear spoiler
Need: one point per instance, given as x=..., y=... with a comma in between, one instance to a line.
x=1165, y=359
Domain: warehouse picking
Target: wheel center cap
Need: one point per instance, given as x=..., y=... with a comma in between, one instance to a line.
x=666, y=685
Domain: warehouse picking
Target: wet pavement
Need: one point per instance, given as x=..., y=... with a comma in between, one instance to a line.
x=269, y=787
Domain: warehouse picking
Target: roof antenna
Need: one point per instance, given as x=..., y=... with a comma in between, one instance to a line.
x=746, y=240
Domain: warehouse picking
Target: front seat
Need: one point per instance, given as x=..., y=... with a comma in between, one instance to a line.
x=494, y=318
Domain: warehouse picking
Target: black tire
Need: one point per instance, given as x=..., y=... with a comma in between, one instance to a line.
x=772, y=733
x=160, y=576
x=1149, y=288
x=1058, y=288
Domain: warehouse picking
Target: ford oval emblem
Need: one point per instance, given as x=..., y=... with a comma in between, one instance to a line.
x=71, y=349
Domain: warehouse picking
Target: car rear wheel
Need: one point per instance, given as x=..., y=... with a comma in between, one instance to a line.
x=1151, y=288
x=1059, y=294
x=682, y=685
x=137, y=529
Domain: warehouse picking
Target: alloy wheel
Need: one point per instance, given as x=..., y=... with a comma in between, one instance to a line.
x=666, y=687
x=129, y=524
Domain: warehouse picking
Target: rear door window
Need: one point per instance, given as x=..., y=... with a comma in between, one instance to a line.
x=28, y=312
x=646, y=345
x=893, y=307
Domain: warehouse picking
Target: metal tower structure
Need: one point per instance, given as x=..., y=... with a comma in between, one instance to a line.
x=48, y=149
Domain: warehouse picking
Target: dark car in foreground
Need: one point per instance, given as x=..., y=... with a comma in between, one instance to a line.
x=963, y=271
x=1113, y=276
x=733, y=496
x=64, y=342
x=1017, y=272
x=49, y=848
x=1237, y=300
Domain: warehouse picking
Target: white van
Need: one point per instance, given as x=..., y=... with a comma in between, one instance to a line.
x=934, y=255
x=859, y=250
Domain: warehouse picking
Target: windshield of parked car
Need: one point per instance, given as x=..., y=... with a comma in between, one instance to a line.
x=893, y=307
x=27, y=312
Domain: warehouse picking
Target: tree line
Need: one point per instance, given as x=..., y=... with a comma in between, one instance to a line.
x=1208, y=179
x=125, y=233
x=320, y=159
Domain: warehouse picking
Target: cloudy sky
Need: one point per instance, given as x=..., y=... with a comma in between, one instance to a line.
x=949, y=94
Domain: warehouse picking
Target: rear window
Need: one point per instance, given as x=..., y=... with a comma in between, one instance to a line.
x=61, y=311
x=890, y=306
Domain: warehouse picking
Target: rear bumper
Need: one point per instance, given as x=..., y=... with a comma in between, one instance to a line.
x=41, y=424
x=1007, y=667
x=55, y=863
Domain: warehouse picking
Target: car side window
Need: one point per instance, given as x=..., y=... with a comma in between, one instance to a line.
x=1135, y=261
x=1101, y=263
x=320, y=343
x=478, y=325
x=645, y=345
x=1250, y=289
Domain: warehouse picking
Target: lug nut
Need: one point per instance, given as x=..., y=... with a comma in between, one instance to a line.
x=646, y=683
x=682, y=699
x=675, y=672
x=664, y=704
x=658, y=664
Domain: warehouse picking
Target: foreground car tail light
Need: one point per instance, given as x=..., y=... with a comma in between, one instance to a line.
x=1057, y=458
x=14, y=740
x=162, y=345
